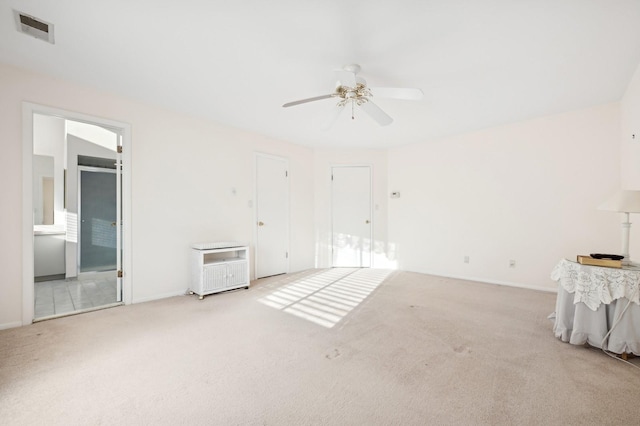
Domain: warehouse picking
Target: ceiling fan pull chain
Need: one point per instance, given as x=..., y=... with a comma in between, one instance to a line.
x=352, y=110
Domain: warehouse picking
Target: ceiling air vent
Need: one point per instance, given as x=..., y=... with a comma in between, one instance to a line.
x=33, y=26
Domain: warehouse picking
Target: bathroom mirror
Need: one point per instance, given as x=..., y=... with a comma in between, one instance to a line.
x=43, y=190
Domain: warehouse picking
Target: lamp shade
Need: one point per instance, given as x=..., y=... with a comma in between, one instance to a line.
x=626, y=201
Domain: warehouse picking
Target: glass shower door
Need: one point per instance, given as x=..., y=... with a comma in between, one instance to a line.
x=98, y=220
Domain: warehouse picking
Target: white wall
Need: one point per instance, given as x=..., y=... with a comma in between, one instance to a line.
x=526, y=192
x=323, y=160
x=105, y=138
x=182, y=171
x=630, y=152
x=630, y=127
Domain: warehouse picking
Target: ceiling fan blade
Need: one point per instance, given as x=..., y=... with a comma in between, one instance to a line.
x=374, y=111
x=333, y=117
x=346, y=78
x=405, y=93
x=304, y=101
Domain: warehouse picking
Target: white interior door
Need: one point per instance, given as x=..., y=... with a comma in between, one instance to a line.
x=351, y=216
x=272, y=216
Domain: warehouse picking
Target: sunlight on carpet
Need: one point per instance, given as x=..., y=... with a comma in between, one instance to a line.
x=326, y=298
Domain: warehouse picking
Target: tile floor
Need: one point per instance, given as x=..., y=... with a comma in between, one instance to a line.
x=61, y=297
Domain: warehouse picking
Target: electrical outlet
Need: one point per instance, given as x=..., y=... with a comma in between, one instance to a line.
x=512, y=263
x=466, y=259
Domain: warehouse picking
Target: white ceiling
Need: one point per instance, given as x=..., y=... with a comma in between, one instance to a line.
x=480, y=63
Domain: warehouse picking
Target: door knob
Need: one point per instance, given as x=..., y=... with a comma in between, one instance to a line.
x=260, y=223
x=113, y=224
x=367, y=221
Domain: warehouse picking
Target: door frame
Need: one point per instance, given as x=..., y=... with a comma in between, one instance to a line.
x=124, y=129
x=371, y=224
x=256, y=155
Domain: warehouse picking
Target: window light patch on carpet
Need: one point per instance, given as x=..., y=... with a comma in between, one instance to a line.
x=326, y=298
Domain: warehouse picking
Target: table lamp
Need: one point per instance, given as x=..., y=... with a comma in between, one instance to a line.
x=624, y=201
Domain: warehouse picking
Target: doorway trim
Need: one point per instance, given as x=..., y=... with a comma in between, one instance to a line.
x=124, y=129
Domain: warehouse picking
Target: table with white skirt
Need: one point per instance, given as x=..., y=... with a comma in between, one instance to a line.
x=593, y=301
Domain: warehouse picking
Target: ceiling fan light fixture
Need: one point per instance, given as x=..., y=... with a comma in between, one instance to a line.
x=354, y=90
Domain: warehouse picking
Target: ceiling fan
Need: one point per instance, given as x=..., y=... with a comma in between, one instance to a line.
x=353, y=91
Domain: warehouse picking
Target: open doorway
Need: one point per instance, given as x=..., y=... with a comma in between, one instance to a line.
x=75, y=166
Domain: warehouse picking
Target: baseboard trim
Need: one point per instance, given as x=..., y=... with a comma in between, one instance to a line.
x=497, y=282
x=160, y=296
x=7, y=325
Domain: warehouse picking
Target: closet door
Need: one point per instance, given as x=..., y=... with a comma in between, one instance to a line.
x=272, y=214
x=351, y=216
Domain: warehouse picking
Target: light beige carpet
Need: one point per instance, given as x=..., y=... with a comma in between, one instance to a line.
x=311, y=348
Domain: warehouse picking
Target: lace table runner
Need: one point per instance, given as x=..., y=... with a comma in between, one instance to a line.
x=595, y=285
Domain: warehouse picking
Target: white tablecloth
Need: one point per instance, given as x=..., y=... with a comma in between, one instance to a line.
x=589, y=301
